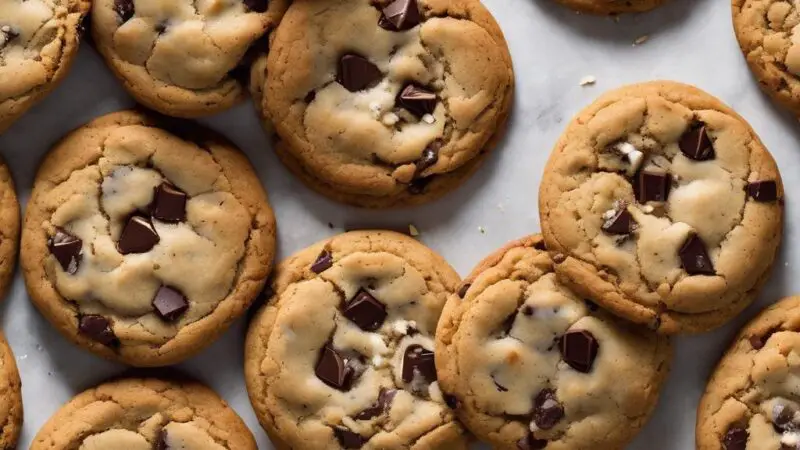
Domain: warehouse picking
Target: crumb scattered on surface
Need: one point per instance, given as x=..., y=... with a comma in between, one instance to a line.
x=413, y=231
x=588, y=80
x=641, y=40
x=330, y=225
x=482, y=230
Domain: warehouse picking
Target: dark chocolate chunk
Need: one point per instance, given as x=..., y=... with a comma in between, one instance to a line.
x=450, y=400
x=652, y=186
x=579, y=349
x=124, y=9
x=462, y=291
x=381, y=405
x=429, y=157
x=97, y=328
x=547, y=412
x=138, y=236
x=763, y=191
x=696, y=144
x=621, y=223
x=418, y=360
x=66, y=248
x=365, y=311
x=694, y=257
x=417, y=100
x=540, y=245
x=783, y=418
x=333, y=370
x=530, y=442
x=348, y=439
x=257, y=5
x=400, y=15
x=324, y=262
x=758, y=342
x=169, y=303
x=169, y=203
x=161, y=441
x=418, y=185
x=357, y=73
x=735, y=439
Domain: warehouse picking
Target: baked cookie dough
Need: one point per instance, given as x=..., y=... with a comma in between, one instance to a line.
x=143, y=244
x=607, y=7
x=751, y=401
x=397, y=113
x=145, y=414
x=664, y=206
x=180, y=57
x=342, y=355
x=11, y=400
x=9, y=228
x=38, y=41
x=531, y=365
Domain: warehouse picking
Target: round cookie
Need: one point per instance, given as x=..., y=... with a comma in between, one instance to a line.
x=607, y=7
x=145, y=414
x=399, y=116
x=664, y=207
x=38, y=41
x=769, y=36
x=751, y=401
x=534, y=366
x=183, y=58
x=11, y=400
x=342, y=355
x=9, y=228
x=142, y=245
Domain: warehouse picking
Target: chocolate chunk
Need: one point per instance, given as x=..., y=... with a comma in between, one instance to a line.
x=530, y=442
x=696, y=144
x=169, y=304
x=161, y=441
x=169, y=203
x=694, y=257
x=324, y=262
x=527, y=310
x=735, y=439
x=540, y=245
x=400, y=15
x=429, y=157
x=357, y=73
x=365, y=311
x=763, y=191
x=381, y=405
x=783, y=417
x=417, y=100
x=621, y=223
x=259, y=6
x=124, y=9
x=547, y=412
x=462, y=291
x=66, y=248
x=418, y=185
x=418, y=360
x=97, y=328
x=138, y=236
x=348, y=439
x=757, y=342
x=7, y=34
x=579, y=349
x=333, y=370
x=652, y=186
x=450, y=400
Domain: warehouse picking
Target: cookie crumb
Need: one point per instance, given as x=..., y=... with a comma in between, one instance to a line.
x=641, y=40
x=330, y=225
x=482, y=230
x=427, y=118
x=588, y=80
x=413, y=231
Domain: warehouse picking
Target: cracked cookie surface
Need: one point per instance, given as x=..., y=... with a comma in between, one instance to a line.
x=142, y=245
x=769, y=36
x=38, y=41
x=532, y=365
x=10, y=397
x=751, y=401
x=9, y=228
x=145, y=414
x=342, y=355
x=398, y=116
x=611, y=6
x=664, y=205
x=182, y=58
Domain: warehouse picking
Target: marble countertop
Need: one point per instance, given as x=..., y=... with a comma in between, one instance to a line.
x=553, y=49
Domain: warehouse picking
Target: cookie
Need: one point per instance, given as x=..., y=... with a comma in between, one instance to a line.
x=145, y=414
x=11, y=400
x=183, y=58
x=9, y=228
x=608, y=7
x=751, y=399
x=145, y=238
x=769, y=36
x=531, y=365
x=664, y=206
x=399, y=112
x=342, y=355
x=38, y=41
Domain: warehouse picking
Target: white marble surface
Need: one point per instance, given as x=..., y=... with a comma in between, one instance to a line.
x=553, y=48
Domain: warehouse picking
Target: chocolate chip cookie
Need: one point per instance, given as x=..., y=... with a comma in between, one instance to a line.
x=38, y=41
x=183, y=58
x=145, y=414
x=531, y=365
x=342, y=355
x=9, y=228
x=606, y=7
x=664, y=206
x=397, y=113
x=145, y=238
x=769, y=36
x=11, y=400
x=751, y=401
